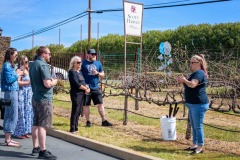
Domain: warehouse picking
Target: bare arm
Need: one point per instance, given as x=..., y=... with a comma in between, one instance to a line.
x=86, y=89
x=22, y=83
x=99, y=74
x=49, y=83
x=192, y=84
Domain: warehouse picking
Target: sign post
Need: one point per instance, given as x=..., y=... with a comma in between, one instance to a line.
x=133, y=14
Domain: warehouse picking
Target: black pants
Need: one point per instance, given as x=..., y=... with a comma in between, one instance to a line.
x=77, y=106
x=2, y=108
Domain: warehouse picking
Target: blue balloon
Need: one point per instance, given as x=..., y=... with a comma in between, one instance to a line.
x=161, y=47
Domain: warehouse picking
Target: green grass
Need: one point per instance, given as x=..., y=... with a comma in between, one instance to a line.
x=148, y=145
x=181, y=125
x=153, y=147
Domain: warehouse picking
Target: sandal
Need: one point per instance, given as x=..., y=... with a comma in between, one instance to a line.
x=11, y=143
x=20, y=137
x=26, y=136
x=15, y=142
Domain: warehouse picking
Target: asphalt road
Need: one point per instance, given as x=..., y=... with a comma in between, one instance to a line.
x=62, y=149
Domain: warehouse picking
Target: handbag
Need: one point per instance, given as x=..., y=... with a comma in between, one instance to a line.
x=5, y=102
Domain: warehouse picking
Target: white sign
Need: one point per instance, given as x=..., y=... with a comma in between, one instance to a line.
x=133, y=13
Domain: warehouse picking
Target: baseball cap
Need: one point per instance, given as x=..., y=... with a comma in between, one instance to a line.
x=91, y=51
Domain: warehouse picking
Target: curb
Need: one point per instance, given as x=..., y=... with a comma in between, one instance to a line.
x=108, y=149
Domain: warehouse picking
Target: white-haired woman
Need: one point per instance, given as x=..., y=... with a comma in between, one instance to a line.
x=196, y=100
x=77, y=90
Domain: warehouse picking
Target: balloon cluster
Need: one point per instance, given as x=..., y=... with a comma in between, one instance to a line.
x=165, y=57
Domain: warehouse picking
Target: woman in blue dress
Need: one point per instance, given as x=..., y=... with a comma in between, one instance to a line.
x=25, y=112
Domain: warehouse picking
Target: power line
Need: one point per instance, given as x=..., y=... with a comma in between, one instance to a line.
x=53, y=24
x=18, y=3
x=167, y=3
x=29, y=34
x=50, y=27
x=166, y=6
x=188, y=4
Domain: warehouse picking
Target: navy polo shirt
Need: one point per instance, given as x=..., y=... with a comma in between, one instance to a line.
x=198, y=94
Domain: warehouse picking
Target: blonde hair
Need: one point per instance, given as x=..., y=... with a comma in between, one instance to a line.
x=73, y=61
x=201, y=59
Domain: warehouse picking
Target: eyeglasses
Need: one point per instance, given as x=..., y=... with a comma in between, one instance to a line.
x=79, y=62
x=26, y=62
x=193, y=62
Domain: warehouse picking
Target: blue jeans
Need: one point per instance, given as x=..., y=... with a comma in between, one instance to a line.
x=196, y=115
x=11, y=112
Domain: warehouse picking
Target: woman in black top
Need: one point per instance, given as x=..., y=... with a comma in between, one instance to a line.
x=77, y=91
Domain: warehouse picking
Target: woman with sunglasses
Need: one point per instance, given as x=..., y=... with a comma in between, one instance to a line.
x=25, y=112
x=9, y=85
x=196, y=100
x=78, y=88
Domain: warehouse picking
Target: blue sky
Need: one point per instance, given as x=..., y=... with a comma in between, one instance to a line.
x=18, y=17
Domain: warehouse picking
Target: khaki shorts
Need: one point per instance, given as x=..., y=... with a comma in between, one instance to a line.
x=43, y=112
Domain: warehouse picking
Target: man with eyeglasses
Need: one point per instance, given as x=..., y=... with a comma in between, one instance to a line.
x=42, y=87
x=93, y=70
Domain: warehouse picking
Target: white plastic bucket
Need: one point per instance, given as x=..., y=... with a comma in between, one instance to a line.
x=168, y=126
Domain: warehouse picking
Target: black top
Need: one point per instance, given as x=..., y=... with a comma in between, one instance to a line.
x=198, y=94
x=76, y=80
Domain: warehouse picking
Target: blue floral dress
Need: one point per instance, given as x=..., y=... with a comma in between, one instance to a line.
x=25, y=111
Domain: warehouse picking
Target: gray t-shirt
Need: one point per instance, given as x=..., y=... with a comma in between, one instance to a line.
x=40, y=71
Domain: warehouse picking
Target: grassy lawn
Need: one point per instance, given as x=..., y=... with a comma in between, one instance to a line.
x=138, y=134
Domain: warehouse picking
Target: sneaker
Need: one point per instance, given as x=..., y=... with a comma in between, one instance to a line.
x=46, y=155
x=106, y=123
x=74, y=132
x=35, y=151
x=88, y=124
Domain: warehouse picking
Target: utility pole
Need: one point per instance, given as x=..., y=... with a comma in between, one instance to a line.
x=98, y=38
x=32, y=41
x=81, y=39
x=59, y=36
x=89, y=22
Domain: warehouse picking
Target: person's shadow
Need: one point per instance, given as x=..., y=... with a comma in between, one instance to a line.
x=15, y=154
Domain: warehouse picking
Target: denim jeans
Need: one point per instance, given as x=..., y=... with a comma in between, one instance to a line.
x=196, y=115
x=11, y=112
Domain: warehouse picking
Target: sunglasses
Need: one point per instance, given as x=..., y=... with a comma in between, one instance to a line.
x=26, y=62
x=79, y=62
x=193, y=62
x=94, y=54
